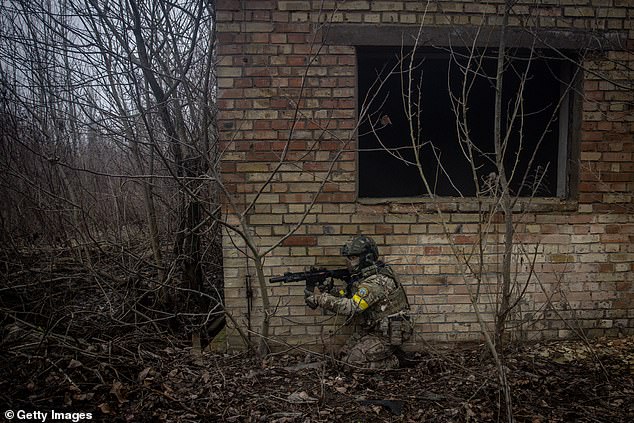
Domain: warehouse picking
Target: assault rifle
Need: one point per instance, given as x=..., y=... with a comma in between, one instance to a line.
x=316, y=278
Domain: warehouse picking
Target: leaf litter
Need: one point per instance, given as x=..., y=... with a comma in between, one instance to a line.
x=76, y=355
x=590, y=381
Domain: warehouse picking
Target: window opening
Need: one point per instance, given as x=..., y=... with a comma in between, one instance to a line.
x=537, y=148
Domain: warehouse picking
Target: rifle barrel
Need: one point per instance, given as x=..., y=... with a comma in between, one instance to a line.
x=277, y=279
x=290, y=277
x=302, y=276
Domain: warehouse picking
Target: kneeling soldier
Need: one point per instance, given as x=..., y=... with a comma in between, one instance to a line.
x=378, y=304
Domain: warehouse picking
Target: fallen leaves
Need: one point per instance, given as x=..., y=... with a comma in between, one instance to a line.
x=105, y=408
x=143, y=375
x=300, y=398
x=119, y=391
x=74, y=364
x=550, y=382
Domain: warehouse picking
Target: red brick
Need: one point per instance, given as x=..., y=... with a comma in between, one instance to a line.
x=262, y=124
x=617, y=177
x=296, y=198
x=591, y=136
x=232, y=93
x=292, y=27
x=262, y=156
x=588, y=186
x=466, y=239
x=228, y=5
x=296, y=38
x=258, y=4
x=300, y=241
x=226, y=166
x=335, y=198
x=278, y=38
x=316, y=166
x=262, y=82
x=243, y=83
x=280, y=124
x=617, y=157
x=244, y=104
x=296, y=60
x=260, y=38
x=384, y=229
x=590, y=198
x=606, y=173
x=432, y=251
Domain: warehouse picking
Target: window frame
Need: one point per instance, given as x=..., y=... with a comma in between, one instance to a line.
x=482, y=37
x=564, y=130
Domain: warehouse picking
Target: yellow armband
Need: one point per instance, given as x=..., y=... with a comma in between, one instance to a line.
x=360, y=302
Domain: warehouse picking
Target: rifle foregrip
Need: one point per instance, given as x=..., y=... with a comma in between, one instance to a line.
x=289, y=277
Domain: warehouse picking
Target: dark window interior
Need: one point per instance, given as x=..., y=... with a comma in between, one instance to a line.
x=386, y=153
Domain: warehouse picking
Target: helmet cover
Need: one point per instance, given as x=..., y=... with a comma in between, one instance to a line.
x=364, y=247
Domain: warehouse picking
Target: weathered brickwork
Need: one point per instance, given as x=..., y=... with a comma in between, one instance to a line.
x=287, y=118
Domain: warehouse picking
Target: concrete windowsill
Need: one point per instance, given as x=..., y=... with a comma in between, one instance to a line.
x=467, y=205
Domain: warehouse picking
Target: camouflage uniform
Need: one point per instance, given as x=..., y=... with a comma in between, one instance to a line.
x=379, y=308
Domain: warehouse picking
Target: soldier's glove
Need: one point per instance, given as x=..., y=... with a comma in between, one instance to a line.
x=337, y=292
x=311, y=299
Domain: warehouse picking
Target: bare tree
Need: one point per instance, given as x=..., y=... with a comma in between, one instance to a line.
x=111, y=137
x=504, y=180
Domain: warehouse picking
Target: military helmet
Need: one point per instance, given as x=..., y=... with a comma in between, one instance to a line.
x=363, y=247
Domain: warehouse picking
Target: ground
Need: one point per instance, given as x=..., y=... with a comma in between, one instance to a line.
x=75, y=339
x=551, y=382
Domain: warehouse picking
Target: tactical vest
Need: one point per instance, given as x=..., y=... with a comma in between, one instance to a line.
x=394, y=303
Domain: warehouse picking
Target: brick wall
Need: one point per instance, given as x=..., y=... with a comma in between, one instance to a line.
x=287, y=117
